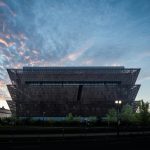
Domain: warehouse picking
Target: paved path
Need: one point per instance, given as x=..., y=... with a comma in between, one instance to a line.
x=72, y=134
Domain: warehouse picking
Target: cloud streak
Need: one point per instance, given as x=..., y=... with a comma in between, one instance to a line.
x=73, y=56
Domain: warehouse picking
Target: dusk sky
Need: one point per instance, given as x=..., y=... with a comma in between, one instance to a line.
x=75, y=33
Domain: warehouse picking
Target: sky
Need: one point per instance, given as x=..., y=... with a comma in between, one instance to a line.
x=75, y=33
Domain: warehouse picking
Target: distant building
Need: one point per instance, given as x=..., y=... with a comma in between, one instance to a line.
x=82, y=91
x=12, y=106
x=4, y=113
x=137, y=104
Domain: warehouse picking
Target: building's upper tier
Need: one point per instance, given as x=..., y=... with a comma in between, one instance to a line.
x=90, y=74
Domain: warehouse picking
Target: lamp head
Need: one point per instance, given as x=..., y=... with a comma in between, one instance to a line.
x=118, y=102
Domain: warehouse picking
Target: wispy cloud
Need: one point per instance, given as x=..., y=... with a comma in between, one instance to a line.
x=46, y=33
x=75, y=54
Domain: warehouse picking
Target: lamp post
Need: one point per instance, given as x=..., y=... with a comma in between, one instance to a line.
x=118, y=104
x=43, y=117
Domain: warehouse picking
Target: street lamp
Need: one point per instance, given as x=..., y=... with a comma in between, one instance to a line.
x=43, y=118
x=118, y=104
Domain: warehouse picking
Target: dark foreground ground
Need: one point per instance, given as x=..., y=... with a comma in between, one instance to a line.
x=111, y=142
x=54, y=138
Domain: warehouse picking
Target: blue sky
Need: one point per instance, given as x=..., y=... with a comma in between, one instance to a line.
x=75, y=33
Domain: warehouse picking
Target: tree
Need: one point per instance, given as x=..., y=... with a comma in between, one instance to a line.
x=144, y=113
x=111, y=117
x=127, y=114
x=69, y=117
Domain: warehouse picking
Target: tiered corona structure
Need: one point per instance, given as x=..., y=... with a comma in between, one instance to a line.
x=82, y=91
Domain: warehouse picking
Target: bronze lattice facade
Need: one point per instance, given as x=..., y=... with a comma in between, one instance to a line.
x=82, y=91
